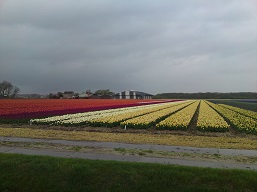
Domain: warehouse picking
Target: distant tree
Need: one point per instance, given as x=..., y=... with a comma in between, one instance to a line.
x=60, y=95
x=8, y=90
x=76, y=96
x=88, y=92
x=208, y=95
x=16, y=90
x=104, y=92
x=51, y=96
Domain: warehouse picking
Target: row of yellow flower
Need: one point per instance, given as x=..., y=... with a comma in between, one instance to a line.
x=210, y=120
x=90, y=117
x=240, y=122
x=179, y=120
x=114, y=119
x=145, y=121
x=242, y=111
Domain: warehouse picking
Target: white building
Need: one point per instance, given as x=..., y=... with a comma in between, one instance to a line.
x=131, y=94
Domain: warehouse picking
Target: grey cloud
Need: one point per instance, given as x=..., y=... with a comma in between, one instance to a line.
x=154, y=46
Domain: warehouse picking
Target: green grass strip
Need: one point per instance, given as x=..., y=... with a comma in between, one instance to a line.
x=39, y=173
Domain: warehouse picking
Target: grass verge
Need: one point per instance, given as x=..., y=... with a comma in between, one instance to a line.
x=38, y=173
x=159, y=139
x=137, y=152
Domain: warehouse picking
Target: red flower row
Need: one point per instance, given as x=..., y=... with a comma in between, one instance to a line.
x=35, y=108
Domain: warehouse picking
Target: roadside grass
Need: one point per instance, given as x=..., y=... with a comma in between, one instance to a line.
x=41, y=173
x=159, y=139
x=138, y=152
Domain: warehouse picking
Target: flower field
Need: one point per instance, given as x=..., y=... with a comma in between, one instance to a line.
x=210, y=120
x=248, y=113
x=179, y=120
x=240, y=122
x=150, y=119
x=25, y=109
x=131, y=114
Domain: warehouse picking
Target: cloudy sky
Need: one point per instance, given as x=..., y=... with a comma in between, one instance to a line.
x=154, y=46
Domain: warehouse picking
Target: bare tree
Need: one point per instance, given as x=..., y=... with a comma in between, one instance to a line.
x=8, y=90
x=16, y=90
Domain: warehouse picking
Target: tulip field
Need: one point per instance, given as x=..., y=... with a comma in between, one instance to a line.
x=20, y=110
x=185, y=115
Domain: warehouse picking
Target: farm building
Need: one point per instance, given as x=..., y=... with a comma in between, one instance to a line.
x=133, y=95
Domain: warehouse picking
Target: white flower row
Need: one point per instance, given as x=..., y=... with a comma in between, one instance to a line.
x=105, y=116
x=88, y=116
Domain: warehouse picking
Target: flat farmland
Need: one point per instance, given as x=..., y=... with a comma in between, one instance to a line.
x=145, y=121
x=20, y=110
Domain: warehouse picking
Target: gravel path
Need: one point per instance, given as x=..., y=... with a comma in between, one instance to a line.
x=131, y=158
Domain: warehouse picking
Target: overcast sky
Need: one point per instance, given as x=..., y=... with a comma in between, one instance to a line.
x=153, y=46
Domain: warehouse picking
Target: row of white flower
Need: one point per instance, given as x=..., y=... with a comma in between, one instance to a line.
x=110, y=118
x=114, y=118
x=82, y=118
x=58, y=118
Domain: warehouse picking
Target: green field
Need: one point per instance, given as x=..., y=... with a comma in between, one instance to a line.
x=37, y=173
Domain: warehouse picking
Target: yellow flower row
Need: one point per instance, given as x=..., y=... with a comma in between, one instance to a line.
x=210, y=120
x=106, y=114
x=240, y=122
x=149, y=119
x=114, y=119
x=90, y=117
x=242, y=111
x=179, y=120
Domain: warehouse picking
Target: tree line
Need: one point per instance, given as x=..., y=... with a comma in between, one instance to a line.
x=8, y=90
x=208, y=95
x=100, y=92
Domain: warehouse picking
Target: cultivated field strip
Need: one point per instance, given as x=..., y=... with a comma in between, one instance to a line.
x=112, y=119
x=180, y=120
x=241, y=122
x=89, y=118
x=147, y=120
x=178, y=115
x=245, y=112
x=210, y=120
x=61, y=118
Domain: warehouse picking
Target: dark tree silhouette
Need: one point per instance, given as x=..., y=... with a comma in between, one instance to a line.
x=8, y=90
